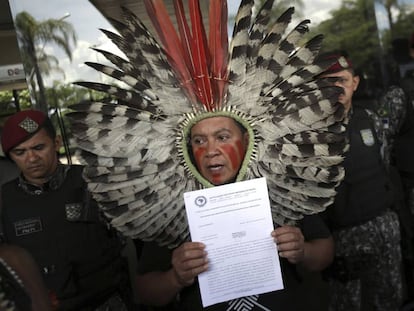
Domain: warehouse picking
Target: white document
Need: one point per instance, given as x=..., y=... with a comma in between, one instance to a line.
x=235, y=222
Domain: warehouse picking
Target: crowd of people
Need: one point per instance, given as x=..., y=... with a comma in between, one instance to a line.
x=59, y=252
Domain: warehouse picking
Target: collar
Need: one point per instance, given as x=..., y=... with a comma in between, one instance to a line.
x=54, y=182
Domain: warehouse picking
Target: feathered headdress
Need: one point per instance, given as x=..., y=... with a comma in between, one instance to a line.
x=135, y=150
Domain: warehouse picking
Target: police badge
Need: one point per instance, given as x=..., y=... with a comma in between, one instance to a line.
x=367, y=137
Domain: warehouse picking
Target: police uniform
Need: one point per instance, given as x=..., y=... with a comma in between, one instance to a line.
x=367, y=268
x=398, y=109
x=58, y=224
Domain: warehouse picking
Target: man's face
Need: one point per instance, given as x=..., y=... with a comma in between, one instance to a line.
x=219, y=147
x=348, y=82
x=36, y=157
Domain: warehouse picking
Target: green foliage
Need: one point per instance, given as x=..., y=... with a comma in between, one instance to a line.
x=353, y=29
x=60, y=97
x=403, y=29
x=8, y=105
x=33, y=36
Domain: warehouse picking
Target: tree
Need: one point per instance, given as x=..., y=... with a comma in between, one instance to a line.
x=7, y=102
x=389, y=5
x=33, y=35
x=353, y=29
x=403, y=27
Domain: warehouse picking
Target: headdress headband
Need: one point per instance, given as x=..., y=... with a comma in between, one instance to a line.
x=135, y=151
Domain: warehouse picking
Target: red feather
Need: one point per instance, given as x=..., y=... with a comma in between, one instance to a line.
x=201, y=56
x=219, y=45
x=185, y=34
x=170, y=41
x=200, y=64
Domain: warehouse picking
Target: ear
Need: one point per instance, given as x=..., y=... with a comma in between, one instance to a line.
x=355, y=79
x=58, y=142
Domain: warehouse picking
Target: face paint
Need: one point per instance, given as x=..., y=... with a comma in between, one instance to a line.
x=198, y=155
x=234, y=159
x=235, y=155
x=218, y=147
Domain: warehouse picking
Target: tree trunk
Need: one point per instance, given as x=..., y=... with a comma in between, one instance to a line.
x=41, y=103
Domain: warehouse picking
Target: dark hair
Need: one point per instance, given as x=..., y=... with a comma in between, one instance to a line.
x=49, y=128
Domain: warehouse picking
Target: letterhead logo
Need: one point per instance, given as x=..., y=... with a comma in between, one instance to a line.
x=200, y=201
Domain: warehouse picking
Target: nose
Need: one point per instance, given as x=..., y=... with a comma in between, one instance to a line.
x=31, y=155
x=212, y=148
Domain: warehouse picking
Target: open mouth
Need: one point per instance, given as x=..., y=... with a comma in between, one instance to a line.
x=215, y=167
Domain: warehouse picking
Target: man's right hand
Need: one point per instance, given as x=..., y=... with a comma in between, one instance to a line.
x=188, y=261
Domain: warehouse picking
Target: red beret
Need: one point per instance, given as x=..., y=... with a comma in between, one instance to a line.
x=342, y=63
x=19, y=127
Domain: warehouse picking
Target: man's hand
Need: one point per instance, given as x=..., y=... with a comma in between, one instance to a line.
x=188, y=261
x=290, y=243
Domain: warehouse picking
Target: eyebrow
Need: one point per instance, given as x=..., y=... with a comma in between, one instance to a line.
x=26, y=148
x=214, y=133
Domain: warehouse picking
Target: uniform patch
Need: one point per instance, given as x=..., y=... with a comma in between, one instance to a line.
x=28, y=226
x=73, y=211
x=367, y=137
x=386, y=123
x=29, y=125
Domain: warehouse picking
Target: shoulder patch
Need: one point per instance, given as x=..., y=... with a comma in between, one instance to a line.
x=367, y=137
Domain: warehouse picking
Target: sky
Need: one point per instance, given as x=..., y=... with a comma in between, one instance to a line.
x=87, y=21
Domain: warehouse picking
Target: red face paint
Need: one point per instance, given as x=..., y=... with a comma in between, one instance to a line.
x=227, y=152
x=235, y=155
x=232, y=155
x=199, y=153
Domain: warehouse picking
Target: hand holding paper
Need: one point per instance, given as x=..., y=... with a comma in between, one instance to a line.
x=188, y=261
x=234, y=222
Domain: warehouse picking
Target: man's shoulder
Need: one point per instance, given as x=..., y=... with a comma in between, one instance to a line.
x=9, y=184
x=68, y=176
x=9, y=170
x=363, y=113
x=75, y=166
x=76, y=169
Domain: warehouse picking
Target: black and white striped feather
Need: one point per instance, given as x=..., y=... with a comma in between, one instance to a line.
x=133, y=167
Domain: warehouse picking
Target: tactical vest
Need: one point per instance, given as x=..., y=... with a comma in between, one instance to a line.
x=78, y=255
x=366, y=191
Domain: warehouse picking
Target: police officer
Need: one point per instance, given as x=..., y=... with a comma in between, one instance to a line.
x=366, y=273
x=48, y=212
